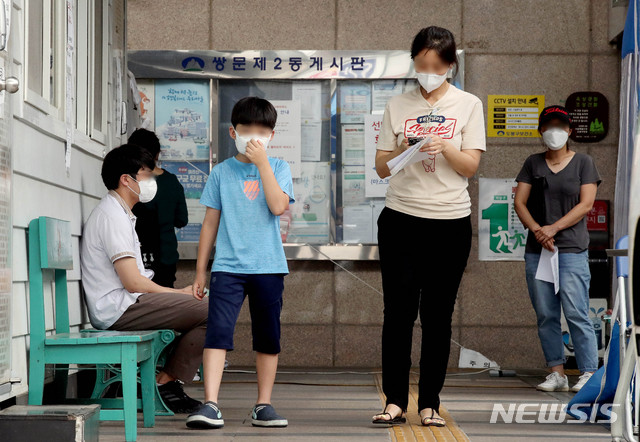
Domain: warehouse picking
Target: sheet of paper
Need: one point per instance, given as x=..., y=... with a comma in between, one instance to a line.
x=146, y=106
x=357, y=224
x=352, y=145
x=355, y=102
x=548, y=268
x=381, y=91
x=310, y=214
x=353, y=185
x=409, y=156
x=310, y=94
x=375, y=186
x=286, y=143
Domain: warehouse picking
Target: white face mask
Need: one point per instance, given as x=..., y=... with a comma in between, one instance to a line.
x=430, y=82
x=242, y=141
x=555, y=138
x=148, y=189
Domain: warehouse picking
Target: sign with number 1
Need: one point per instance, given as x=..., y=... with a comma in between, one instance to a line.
x=502, y=237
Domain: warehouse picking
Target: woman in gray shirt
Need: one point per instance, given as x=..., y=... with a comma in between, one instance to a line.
x=556, y=189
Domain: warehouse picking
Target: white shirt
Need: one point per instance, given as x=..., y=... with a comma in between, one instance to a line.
x=432, y=188
x=109, y=234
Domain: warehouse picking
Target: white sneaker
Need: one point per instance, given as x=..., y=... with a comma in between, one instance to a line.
x=581, y=381
x=554, y=382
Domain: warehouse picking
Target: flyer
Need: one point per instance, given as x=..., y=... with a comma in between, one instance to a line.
x=309, y=94
x=286, y=143
x=382, y=91
x=182, y=119
x=191, y=232
x=310, y=214
x=352, y=144
x=374, y=185
x=353, y=185
x=192, y=175
x=355, y=102
x=147, y=108
x=357, y=224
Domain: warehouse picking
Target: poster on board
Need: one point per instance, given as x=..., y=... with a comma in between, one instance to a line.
x=182, y=119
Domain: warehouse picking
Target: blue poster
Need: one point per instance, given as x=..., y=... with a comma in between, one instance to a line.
x=192, y=176
x=182, y=119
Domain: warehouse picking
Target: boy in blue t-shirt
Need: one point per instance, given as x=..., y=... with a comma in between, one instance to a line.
x=245, y=196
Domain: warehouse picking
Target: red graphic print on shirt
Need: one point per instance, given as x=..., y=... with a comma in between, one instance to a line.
x=252, y=189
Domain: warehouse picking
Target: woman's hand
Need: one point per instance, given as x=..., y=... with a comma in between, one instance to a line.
x=404, y=145
x=436, y=145
x=545, y=233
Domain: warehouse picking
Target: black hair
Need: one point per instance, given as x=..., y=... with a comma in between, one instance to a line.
x=440, y=40
x=127, y=159
x=254, y=110
x=146, y=139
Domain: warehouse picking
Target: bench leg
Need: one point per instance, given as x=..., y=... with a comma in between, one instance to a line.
x=129, y=391
x=148, y=383
x=36, y=378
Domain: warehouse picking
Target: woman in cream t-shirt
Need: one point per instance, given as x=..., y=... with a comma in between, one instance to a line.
x=424, y=232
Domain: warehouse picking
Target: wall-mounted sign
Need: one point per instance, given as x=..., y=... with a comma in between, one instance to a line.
x=589, y=113
x=278, y=64
x=501, y=235
x=514, y=115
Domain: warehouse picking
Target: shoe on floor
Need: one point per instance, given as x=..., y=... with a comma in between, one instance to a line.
x=176, y=399
x=264, y=415
x=208, y=415
x=581, y=381
x=554, y=382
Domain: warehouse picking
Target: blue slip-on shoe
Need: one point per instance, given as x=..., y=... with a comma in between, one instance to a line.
x=208, y=415
x=264, y=415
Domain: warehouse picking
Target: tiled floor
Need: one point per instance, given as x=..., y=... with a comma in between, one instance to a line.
x=338, y=407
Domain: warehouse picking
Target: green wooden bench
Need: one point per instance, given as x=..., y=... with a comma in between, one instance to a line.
x=109, y=374
x=50, y=252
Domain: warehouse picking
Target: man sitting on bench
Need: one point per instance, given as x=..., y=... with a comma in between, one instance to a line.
x=118, y=289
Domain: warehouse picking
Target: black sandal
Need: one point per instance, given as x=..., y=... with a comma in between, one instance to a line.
x=400, y=419
x=434, y=420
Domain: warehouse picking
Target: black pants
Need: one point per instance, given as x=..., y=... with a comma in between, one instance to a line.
x=422, y=262
x=165, y=275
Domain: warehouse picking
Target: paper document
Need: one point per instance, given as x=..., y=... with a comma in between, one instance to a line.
x=549, y=269
x=409, y=156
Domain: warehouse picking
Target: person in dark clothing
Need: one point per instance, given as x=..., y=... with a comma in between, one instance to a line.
x=158, y=218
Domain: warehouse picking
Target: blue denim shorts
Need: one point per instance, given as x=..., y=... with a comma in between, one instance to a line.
x=226, y=296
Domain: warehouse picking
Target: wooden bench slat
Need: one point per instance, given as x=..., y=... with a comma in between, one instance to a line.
x=103, y=337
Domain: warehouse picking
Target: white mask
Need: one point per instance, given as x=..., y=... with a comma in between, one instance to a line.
x=555, y=138
x=242, y=141
x=148, y=189
x=430, y=82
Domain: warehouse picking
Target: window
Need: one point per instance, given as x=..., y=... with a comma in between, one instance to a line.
x=45, y=56
x=99, y=71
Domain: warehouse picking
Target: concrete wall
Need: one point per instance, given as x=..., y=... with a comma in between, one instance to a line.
x=511, y=47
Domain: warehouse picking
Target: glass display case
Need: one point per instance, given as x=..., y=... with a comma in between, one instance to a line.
x=330, y=106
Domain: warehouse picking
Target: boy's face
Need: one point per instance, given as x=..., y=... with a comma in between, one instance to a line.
x=251, y=130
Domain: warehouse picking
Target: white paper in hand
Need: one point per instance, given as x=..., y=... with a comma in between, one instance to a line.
x=549, y=268
x=409, y=156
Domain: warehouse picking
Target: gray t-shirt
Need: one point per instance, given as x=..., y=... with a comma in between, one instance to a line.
x=560, y=193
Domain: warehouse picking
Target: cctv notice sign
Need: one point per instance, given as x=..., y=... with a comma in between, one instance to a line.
x=514, y=115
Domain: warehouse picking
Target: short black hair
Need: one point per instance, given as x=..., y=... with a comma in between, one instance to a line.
x=254, y=110
x=127, y=159
x=147, y=139
x=440, y=40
